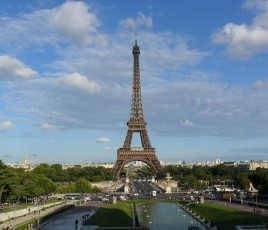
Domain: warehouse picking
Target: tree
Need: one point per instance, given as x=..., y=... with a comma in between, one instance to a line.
x=259, y=179
x=6, y=177
x=46, y=170
x=31, y=188
x=60, y=174
x=201, y=173
x=244, y=183
x=83, y=186
x=15, y=189
x=97, y=178
x=95, y=189
x=46, y=184
x=223, y=172
x=189, y=182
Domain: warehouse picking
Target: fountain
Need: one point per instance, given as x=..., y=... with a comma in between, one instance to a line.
x=168, y=186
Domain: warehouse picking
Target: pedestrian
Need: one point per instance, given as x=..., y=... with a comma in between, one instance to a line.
x=76, y=224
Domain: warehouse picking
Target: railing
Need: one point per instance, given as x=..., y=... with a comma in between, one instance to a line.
x=206, y=225
x=137, y=149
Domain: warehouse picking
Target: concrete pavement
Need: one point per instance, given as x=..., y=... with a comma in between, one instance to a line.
x=242, y=207
x=16, y=221
x=66, y=220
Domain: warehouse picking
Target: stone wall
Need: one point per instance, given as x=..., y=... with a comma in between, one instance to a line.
x=108, y=186
x=4, y=216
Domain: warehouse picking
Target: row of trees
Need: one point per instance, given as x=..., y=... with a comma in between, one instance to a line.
x=21, y=185
x=57, y=174
x=17, y=184
x=200, y=177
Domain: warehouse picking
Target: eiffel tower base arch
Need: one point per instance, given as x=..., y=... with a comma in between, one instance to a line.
x=126, y=155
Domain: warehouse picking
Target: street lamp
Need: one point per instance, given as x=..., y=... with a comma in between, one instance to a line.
x=14, y=224
x=256, y=201
x=38, y=214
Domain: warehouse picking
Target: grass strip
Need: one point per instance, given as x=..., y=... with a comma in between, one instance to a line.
x=225, y=217
x=112, y=215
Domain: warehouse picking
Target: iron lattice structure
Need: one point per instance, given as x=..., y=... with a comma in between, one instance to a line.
x=137, y=124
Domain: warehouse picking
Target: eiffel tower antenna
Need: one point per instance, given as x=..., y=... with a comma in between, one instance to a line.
x=136, y=124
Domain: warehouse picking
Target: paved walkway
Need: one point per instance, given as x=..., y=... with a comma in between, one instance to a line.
x=16, y=221
x=66, y=220
x=242, y=207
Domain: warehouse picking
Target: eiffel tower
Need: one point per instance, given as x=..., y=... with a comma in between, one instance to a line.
x=137, y=124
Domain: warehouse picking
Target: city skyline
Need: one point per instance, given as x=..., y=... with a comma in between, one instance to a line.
x=66, y=72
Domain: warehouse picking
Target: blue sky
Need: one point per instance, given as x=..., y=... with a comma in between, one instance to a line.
x=66, y=78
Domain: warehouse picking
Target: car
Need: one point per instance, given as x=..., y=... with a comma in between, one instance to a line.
x=122, y=198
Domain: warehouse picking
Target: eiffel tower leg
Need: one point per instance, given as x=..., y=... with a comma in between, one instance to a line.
x=116, y=170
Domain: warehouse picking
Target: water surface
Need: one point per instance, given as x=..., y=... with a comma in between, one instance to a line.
x=168, y=216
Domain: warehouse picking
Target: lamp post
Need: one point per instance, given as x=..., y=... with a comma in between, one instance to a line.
x=14, y=219
x=256, y=201
x=38, y=214
x=54, y=208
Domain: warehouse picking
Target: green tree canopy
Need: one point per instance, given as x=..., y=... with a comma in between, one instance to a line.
x=83, y=186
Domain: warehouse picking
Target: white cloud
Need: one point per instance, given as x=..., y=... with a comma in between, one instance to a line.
x=104, y=140
x=170, y=90
x=218, y=109
x=243, y=41
x=51, y=141
x=5, y=126
x=71, y=22
x=134, y=23
x=48, y=127
x=80, y=81
x=187, y=123
x=14, y=68
x=260, y=84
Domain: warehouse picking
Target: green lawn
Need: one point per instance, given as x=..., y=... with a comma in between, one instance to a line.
x=119, y=215
x=112, y=215
x=226, y=218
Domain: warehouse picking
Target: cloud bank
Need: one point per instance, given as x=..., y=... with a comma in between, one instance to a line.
x=14, y=68
x=242, y=41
